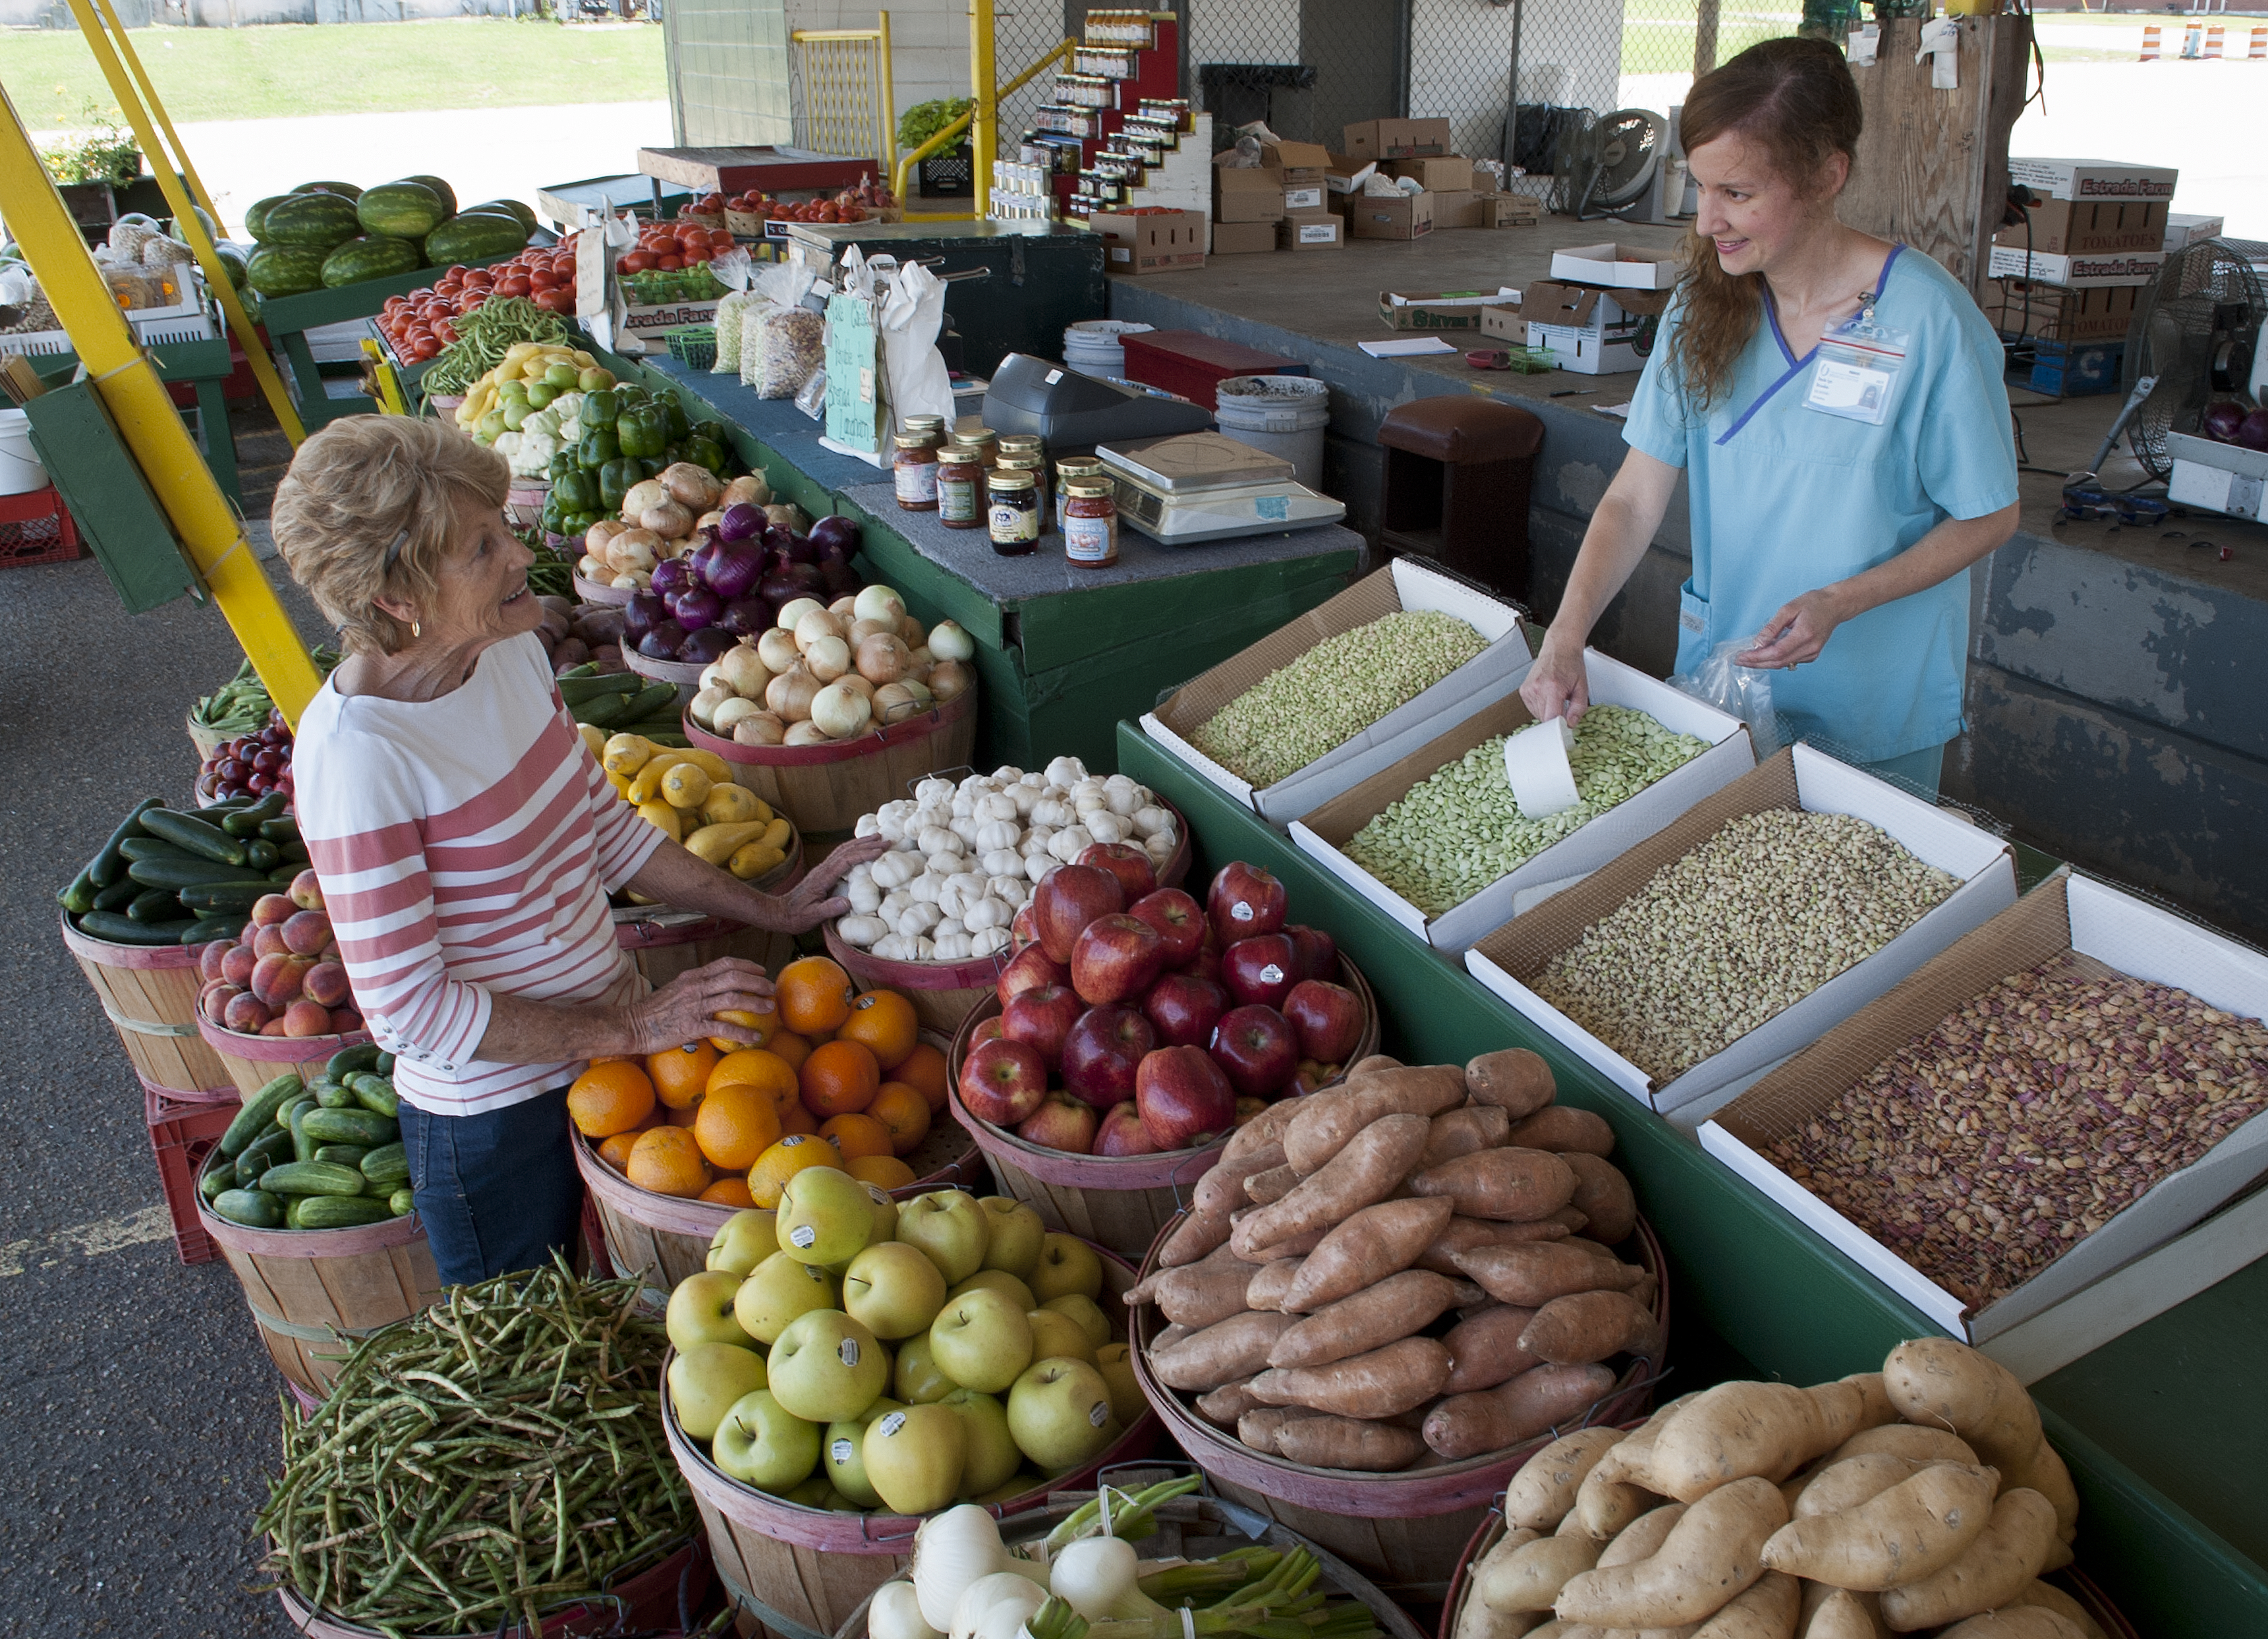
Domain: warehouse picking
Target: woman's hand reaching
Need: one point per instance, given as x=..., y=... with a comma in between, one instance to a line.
x=1556, y=686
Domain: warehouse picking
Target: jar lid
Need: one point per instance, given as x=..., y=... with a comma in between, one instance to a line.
x=1078, y=467
x=1023, y=443
x=980, y=437
x=1008, y=478
x=924, y=423
x=961, y=455
x=1023, y=461
x=910, y=441
x=1086, y=489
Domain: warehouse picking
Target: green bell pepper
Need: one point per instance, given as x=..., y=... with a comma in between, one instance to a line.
x=680, y=428
x=599, y=446
x=706, y=452
x=614, y=481
x=653, y=466
x=600, y=408
x=714, y=431
x=643, y=430
x=578, y=523
x=576, y=491
x=562, y=464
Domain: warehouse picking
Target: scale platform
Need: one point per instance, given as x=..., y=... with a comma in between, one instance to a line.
x=1205, y=486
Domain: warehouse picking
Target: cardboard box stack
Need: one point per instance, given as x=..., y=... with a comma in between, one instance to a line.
x=1276, y=205
x=2071, y=272
x=1457, y=194
x=1593, y=311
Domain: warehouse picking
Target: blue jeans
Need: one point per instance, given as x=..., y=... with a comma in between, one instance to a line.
x=498, y=1190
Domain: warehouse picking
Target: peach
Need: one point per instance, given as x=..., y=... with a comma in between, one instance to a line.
x=210, y=956
x=277, y=980
x=306, y=1018
x=273, y=1027
x=246, y=1014
x=213, y=1004
x=345, y=1020
x=268, y=941
x=269, y=908
x=307, y=932
x=236, y=964
x=306, y=892
x=325, y=983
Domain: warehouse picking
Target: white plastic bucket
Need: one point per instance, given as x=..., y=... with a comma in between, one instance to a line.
x=1091, y=346
x=21, y=472
x=1284, y=415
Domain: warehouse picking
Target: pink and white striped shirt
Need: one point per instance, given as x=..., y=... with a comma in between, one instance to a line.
x=467, y=845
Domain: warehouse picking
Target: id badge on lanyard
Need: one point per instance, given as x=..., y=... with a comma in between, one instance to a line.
x=1856, y=373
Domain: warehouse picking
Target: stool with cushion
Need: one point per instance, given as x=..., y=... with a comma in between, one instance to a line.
x=1457, y=484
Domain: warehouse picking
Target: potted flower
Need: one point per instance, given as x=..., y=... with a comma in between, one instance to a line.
x=88, y=167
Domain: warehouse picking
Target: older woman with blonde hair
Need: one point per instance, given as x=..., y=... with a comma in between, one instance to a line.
x=467, y=840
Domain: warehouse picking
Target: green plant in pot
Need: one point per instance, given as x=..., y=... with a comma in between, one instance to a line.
x=925, y=120
x=101, y=153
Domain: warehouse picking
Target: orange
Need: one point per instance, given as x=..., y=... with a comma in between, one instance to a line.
x=783, y=1161
x=857, y=1136
x=789, y=1046
x=883, y=1023
x=736, y=1123
x=754, y=1066
x=813, y=994
x=684, y=1117
x=924, y=1069
x=732, y=1192
x=667, y=1161
x=681, y=1074
x=609, y=1098
x=882, y=1172
x=794, y=1117
x=764, y=1024
x=903, y=1113
x=615, y=1152
x=840, y=1078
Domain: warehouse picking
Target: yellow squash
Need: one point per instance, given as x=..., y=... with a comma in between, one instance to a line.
x=717, y=843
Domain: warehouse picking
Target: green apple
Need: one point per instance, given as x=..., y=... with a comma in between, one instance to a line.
x=1017, y=1235
x=825, y=1216
x=1067, y=1264
x=893, y=1289
x=1059, y=1412
x=1115, y=1362
x=813, y=1493
x=992, y=1454
x=997, y=1281
x=914, y=1458
x=701, y=1310
x=707, y=1380
x=981, y=1341
x=1023, y=1481
x=1056, y=1335
x=843, y=1457
x=1086, y=1313
x=778, y=1290
x=950, y=1227
x=886, y=1215
x=826, y=1367
x=762, y=1444
x=747, y=1239
x=917, y=1379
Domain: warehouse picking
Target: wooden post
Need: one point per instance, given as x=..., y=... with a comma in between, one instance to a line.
x=1704, y=37
x=1932, y=168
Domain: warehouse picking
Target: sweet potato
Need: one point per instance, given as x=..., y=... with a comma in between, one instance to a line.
x=1605, y=1506
x=1642, y=1537
x=1376, y=1062
x=1476, y=1621
x=1529, y=1578
x=1514, y=1080
x=1631, y=1460
x=1542, y=1493
x=1233, y=1349
x=1364, y=1170
x=1851, y=1480
x=1560, y=1127
x=1327, y=1442
x=1296, y=1246
x=1914, y=1529
x=1227, y=1403
x=1198, y=1294
x=1514, y=1185
x=1736, y=1430
x=1710, y=1555
x=2047, y=1595
x=1377, y=1242
x=2015, y=1621
x=1223, y=1188
x=1850, y=1405
x=1602, y=1194
x=1575, y=1219
x=1258, y=1135
x=1197, y=1234
x=1645, y=1289
x=1911, y=1440
x=1274, y=1279
x=1379, y=1384
x=2003, y=1561
x=1839, y=1613
x=1332, y=1119
x=1259, y=1427
x=1945, y=1385
x=2044, y=1471
x=1265, y=1189
x=1485, y=1349
x=1585, y=1326
x=1767, y=1610
x=1462, y=1131
x=1534, y=1273
x=1371, y=1318
x=1518, y=1409
x=1464, y=1233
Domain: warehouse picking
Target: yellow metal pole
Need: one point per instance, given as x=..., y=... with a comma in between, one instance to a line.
x=985, y=128
x=889, y=149
x=157, y=109
x=127, y=382
x=169, y=181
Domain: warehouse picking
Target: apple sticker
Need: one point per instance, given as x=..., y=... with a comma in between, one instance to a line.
x=891, y=1422
x=1098, y=1414
x=848, y=1350
x=841, y=1451
x=803, y=1235
x=1270, y=975
x=1241, y=910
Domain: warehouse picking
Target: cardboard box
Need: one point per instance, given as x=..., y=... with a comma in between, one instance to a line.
x=2068, y=1308
x=2181, y=232
x=1164, y=243
x=2048, y=312
x=2078, y=271
x=1311, y=230
x=1504, y=321
x=1508, y=211
x=1410, y=216
x=1484, y=182
x=1799, y=777
x=2062, y=227
x=1304, y=196
x=1386, y=775
x=1449, y=173
x=1402, y=584
x=1245, y=195
x=1437, y=310
x=1242, y=239
x=1591, y=331
x=1395, y=139
x=2093, y=179
x=1296, y=162
x=1620, y=267
x=1456, y=207
x=1347, y=175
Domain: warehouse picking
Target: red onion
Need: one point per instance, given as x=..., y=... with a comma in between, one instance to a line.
x=672, y=576
x=740, y=522
x=795, y=548
x=840, y=578
x=750, y=616
x=704, y=554
x=2253, y=431
x=697, y=607
x=734, y=570
x=708, y=644
x=837, y=532
x=662, y=640
x=642, y=613
x=2221, y=420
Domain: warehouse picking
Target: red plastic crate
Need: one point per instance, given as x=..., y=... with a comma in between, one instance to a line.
x=1192, y=364
x=183, y=1132
x=36, y=528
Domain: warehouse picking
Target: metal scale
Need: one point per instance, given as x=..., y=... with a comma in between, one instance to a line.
x=1192, y=487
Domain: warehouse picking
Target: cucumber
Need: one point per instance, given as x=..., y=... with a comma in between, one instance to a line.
x=260, y=1112
x=349, y=1126
x=78, y=895
x=155, y=905
x=296, y=853
x=149, y=848
x=205, y=929
x=311, y=1177
x=109, y=865
x=254, y=1209
x=387, y=1164
x=402, y=1200
x=224, y=897
x=331, y=1095
x=118, y=930
x=262, y=856
x=119, y=894
x=336, y=1212
x=604, y=711
x=347, y=1060
x=375, y=1094
x=261, y=1153
x=282, y=832
x=342, y=1155
x=179, y=874
x=215, y=1179
x=384, y=1064
x=246, y=823
x=207, y=842
x=303, y=1148
x=579, y=690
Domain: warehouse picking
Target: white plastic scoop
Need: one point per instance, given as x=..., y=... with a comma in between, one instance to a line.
x=1536, y=762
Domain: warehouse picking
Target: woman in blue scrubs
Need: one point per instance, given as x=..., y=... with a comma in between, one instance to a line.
x=1835, y=404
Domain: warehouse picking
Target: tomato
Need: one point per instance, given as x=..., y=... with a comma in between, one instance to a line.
x=478, y=279
x=444, y=332
x=721, y=238
x=854, y=213
x=555, y=301
x=540, y=280
x=694, y=254
x=638, y=261
x=472, y=303
x=670, y=264
x=513, y=286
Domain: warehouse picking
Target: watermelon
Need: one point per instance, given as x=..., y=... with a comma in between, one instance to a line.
x=472, y=237
x=315, y=221
x=258, y=213
x=232, y=260
x=285, y=270
x=345, y=190
x=448, y=194
x=372, y=257
x=400, y=210
x=510, y=207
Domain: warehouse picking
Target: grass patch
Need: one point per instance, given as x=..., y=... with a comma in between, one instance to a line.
x=345, y=68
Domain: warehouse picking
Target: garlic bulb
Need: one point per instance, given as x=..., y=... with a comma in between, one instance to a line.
x=918, y=919
x=987, y=912
x=926, y=888
x=1001, y=861
x=996, y=833
x=894, y=905
x=1011, y=891
x=891, y=948
x=1054, y=813
x=868, y=825
x=1160, y=847
x=1123, y=795
x=963, y=805
x=937, y=839
x=1149, y=822
x=966, y=826
x=1066, y=771
x=894, y=870
x=865, y=897
x=1069, y=843
x=933, y=790
x=1104, y=826
x=996, y=805
x=953, y=948
x=951, y=897
x=1039, y=865
x=1035, y=841
x=988, y=942
x=1022, y=798
x=862, y=931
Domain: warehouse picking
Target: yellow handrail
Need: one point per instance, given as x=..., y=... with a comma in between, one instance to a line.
x=907, y=161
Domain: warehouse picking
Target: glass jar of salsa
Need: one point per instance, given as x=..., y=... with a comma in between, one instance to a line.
x=913, y=474
x=1074, y=466
x=1090, y=523
x=959, y=488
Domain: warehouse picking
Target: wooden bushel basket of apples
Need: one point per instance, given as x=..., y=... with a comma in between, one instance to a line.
x=277, y=995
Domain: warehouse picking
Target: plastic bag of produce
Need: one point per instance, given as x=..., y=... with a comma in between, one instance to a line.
x=792, y=343
x=1739, y=691
x=752, y=337
x=730, y=309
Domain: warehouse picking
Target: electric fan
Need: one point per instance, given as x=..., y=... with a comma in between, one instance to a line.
x=1603, y=163
x=2198, y=331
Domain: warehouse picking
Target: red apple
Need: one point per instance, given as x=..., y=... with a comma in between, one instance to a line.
x=304, y=1017
x=307, y=932
x=268, y=940
x=1326, y=1018
x=306, y=892
x=1206, y=963
x=1061, y=1122
x=1115, y=959
x=1184, y=1098
x=1040, y=1018
x=246, y=1014
x=1184, y=1008
x=1068, y=900
x=1122, y=1133
x=236, y=964
x=276, y=981
x=1259, y=971
x=1317, y=951
x=1125, y=861
x=213, y=1003
x=325, y=982
x=210, y=956
x=272, y=909
x=988, y=1031
x=1003, y=1081
x=1179, y=919
x=345, y=1020
x=1023, y=931
x=1029, y=967
x=1244, y=901
x=1257, y=1049
x=1102, y=1052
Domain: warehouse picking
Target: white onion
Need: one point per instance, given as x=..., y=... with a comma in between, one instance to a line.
x=778, y=651
x=817, y=623
x=949, y=640
x=806, y=734
x=828, y=657
x=764, y=728
x=705, y=704
x=796, y=609
x=949, y=678
x=789, y=695
x=642, y=495
x=895, y=1610
x=745, y=671
x=839, y=712
x=880, y=602
x=733, y=712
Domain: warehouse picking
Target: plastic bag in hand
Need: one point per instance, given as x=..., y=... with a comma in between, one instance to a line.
x=1741, y=691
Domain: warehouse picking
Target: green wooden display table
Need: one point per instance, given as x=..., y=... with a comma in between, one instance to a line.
x=2162, y=1428
x=288, y=319
x=202, y=366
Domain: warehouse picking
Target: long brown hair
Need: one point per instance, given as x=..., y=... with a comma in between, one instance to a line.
x=1793, y=98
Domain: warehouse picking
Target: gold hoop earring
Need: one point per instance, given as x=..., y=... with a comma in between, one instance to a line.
x=416, y=631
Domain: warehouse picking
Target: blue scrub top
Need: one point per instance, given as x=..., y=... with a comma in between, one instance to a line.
x=1787, y=499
